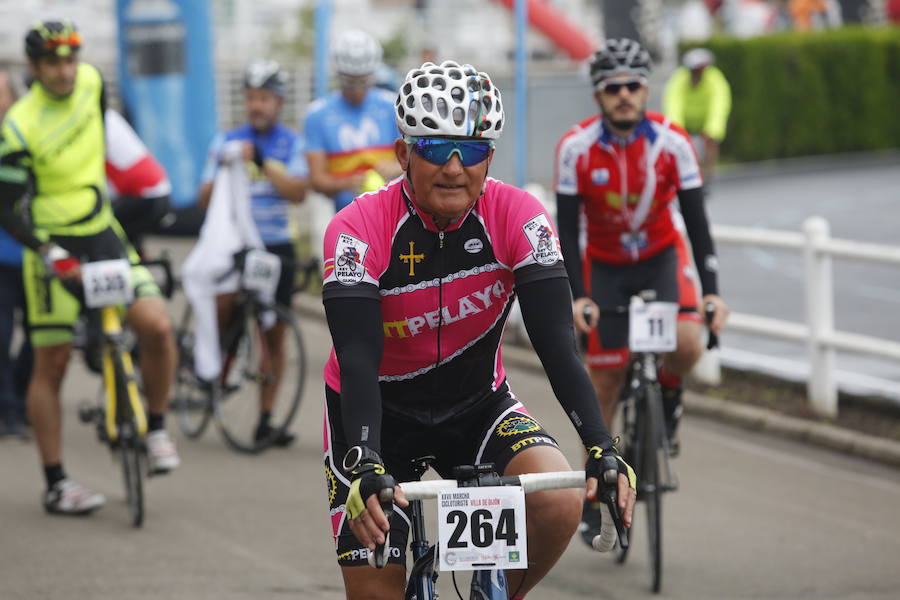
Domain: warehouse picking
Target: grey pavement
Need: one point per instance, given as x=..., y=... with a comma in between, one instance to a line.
x=756, y=517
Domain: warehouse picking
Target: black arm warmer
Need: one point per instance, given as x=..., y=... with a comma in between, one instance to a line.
x=567, y=213
x=14, y=224
x=358, y=337
x=694, y=212
x=547, y=312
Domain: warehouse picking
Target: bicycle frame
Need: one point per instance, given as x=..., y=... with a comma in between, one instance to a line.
x=112, y=334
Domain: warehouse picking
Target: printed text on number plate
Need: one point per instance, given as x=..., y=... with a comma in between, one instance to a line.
x=482, y=528
x=261, y=272
x=652, y=327
x=107, y=283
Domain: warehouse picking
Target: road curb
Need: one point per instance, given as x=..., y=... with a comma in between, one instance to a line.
x=742, y=415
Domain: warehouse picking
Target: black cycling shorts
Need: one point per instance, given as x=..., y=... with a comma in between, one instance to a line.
x=492, y=432
x=670, y=273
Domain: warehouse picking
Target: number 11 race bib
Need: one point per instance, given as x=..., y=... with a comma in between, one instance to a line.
x=652, y=327
x=482, y=528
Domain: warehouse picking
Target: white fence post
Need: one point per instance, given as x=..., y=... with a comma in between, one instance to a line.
x=822, y=386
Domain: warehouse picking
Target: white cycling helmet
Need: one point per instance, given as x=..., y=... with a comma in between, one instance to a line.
x=697, y=58
x=449, y=100
x=266, y=75
x=356, y=53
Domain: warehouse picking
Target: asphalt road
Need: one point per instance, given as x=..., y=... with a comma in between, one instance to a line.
x=861, y=201
x=756, y=517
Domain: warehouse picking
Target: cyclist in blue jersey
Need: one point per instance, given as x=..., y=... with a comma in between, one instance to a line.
x=278, y=178
x=350, y=133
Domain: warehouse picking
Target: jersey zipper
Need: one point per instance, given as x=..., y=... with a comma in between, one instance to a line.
x=440, y=294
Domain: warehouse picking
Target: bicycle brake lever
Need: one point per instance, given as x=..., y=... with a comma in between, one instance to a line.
x=609, y=497
x=379, y=557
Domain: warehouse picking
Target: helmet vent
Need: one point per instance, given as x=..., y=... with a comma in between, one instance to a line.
x=407, y=88
x=410, y=101
x=410, y=121
x=401, y=111
x=439, y=83
x=487, y=103
x=429, y=123
x=457, y=94
x=473, y=85
x=442, y=108
x=459, y=115
x=422, y=82
x=427, y=103
x=455, y=74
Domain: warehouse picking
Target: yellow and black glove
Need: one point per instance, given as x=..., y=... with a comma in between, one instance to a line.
x=367, y=476
x=600, y=461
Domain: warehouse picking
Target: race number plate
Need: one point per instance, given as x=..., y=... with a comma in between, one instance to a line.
x=482, y=528
x=107, y=283
x=652, y=327
x=261, y=272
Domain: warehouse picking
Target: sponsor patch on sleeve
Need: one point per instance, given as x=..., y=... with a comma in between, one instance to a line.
x=544, y=246
x=349, y=254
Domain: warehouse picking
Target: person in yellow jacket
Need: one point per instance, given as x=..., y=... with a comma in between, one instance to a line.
x=698, y=98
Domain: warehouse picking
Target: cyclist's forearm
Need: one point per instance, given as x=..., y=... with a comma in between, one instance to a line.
x=290, y=187
x=694, y=212
x=547, y=312
x=16, y=226
x=358, y=337
x=567, y=211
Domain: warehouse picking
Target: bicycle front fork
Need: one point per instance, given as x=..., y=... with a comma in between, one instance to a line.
x=122, y=382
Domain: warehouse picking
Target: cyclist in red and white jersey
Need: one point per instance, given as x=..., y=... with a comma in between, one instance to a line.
x=623, y=169
x=420, y=276
x=139, y=188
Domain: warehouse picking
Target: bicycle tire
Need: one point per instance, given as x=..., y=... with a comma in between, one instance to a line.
x=130, y=446
x=238, y=407
x=653, y=445
x=191, y=401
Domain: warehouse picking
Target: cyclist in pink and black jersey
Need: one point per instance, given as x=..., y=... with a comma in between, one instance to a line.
x=419, y=279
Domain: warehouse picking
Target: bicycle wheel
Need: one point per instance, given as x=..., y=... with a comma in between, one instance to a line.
x=252, y=375
x=652, y=446
x=130, y=447
x=191, y=401
x=130, y=450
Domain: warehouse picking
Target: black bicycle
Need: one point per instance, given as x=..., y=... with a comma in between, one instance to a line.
x=645, y=444
x=251, y=375
x=488, y=582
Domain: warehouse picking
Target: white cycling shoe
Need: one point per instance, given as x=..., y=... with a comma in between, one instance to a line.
x=67, y=497
x=161, y=452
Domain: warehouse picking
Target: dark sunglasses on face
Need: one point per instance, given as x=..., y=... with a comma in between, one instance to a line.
x=438, y=151
x=614, y=87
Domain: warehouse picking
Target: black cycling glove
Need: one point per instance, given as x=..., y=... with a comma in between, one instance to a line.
x=257, y=156
x=367, y=476
x=599, y=461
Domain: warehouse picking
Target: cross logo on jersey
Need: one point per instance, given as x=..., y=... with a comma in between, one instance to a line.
x=412, y=259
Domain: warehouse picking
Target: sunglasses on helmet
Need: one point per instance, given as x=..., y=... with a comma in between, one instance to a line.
x=614, y=87
x=438, y=151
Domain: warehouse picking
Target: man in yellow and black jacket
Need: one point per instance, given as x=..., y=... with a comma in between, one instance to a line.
x=53, y=200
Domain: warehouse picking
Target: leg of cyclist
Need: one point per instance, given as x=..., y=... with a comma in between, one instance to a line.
x=366, y=583
x=149, y=319
x=275, y=342
x=552, y=517
x=63, y=496
x=676, y=282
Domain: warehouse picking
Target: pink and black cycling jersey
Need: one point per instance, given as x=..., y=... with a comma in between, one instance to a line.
x=445, y=295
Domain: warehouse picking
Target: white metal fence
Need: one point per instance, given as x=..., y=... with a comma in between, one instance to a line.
x=818, y=333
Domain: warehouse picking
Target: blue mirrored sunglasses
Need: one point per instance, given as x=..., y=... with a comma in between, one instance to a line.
x=439, y=150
